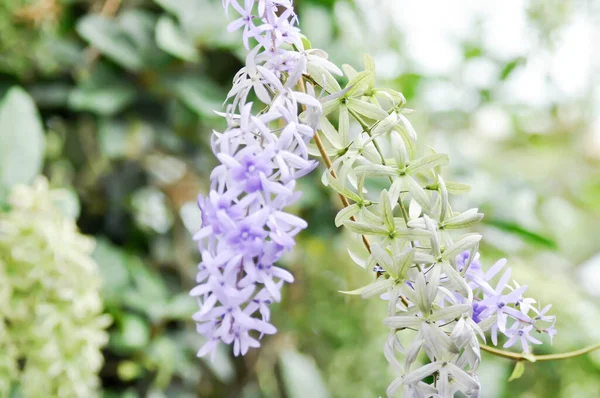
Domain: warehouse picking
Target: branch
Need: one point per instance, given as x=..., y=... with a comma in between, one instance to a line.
x=535, y=358
x=328, y=164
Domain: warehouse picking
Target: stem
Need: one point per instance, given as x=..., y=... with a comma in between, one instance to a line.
x=368, y=130
x=535, y=358
x=328, y=163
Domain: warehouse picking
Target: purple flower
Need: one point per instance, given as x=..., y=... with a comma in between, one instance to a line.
x=245, y=228
x=502, y=311
x=517, y=333
x=477, y=310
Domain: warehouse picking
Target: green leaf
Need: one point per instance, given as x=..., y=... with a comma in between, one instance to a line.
x=133, y=334
x=171, y=39
x=200, y=95
x=301, y=376
x=112, y=263
x=22, y=139
x=103, y=92
x=510, y=67
x=105, y=101
x=525, y=234
x=517, y=371
x=107, y=36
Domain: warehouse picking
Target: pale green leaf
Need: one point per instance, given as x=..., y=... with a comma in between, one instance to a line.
x=518, y=371
x=170, y=38
x=22, y=140
x=301, y=376
x=107, y=36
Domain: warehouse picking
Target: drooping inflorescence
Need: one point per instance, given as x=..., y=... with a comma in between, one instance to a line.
x=264, y=150
x=424, y=267
x=52, y=329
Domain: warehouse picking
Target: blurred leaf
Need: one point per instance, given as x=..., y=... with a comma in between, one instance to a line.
x=133, y=334
x=112, y=138
x=527, y=235
x=177, y=7
x=301, y=377
x=200, y=95
x=149, y=294
x=103, y=92
x=108, y=37
x=55, y=94
x=22, y=138
x=171, y=39
x=472, y=51
x=221, y=364
x=112, y=262
x=67, y=201
x=139, y=26
x=180, y=307
x=103, y=101
x=517, y=371
x=129, y=370
x=163, y=352
x=510, y=67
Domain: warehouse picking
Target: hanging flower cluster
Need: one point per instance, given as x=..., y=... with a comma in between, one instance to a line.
x=245, y=228
x=52, y=328
x=425, y=266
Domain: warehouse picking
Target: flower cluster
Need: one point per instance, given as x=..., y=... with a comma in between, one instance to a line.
x=51, y=324
x=496, y=307
x=424, y=267
x=245, y=228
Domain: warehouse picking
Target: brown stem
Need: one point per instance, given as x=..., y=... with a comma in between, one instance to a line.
x=328, y=164
x=327, y=161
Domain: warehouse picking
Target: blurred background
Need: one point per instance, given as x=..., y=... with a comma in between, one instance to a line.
x=125, y=91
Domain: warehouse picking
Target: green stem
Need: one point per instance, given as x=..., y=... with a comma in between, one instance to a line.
x=535, y=358
x=368, y=130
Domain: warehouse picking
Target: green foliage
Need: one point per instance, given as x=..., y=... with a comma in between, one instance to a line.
x=21, y=139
